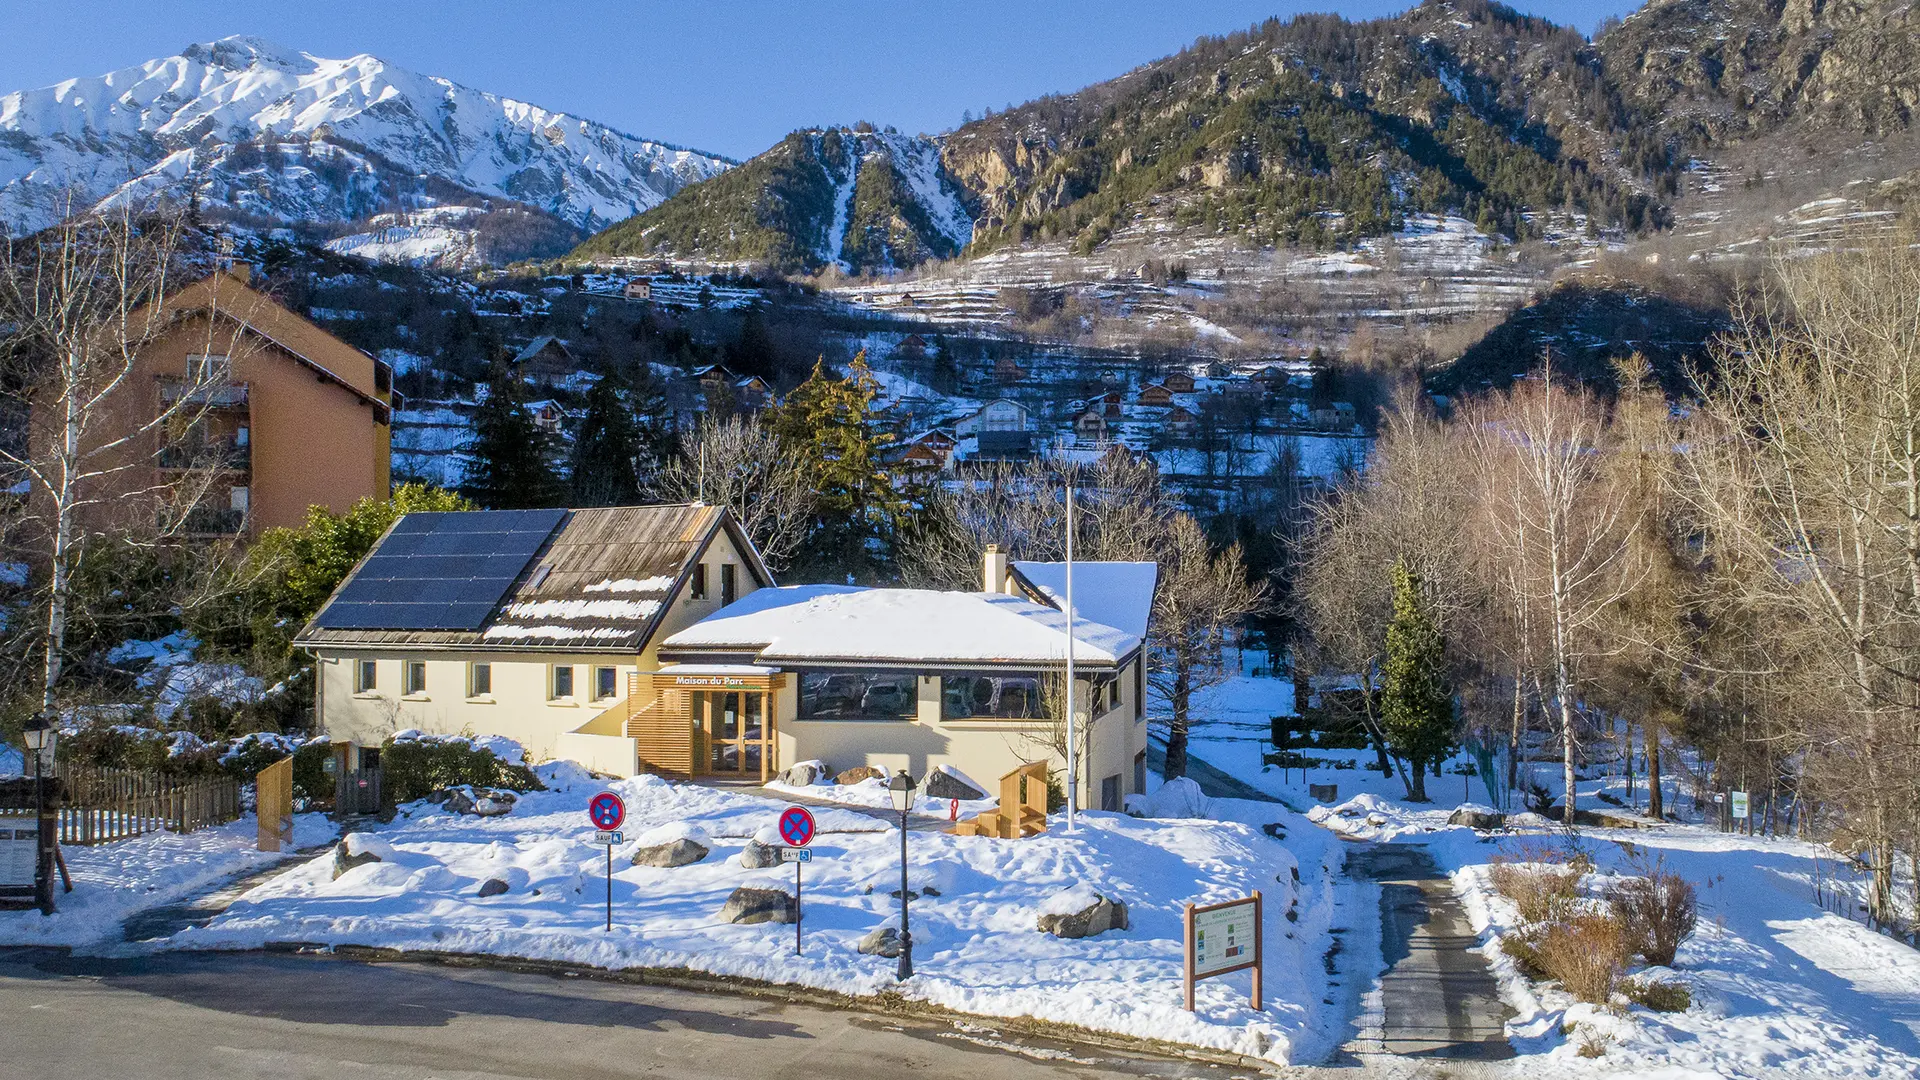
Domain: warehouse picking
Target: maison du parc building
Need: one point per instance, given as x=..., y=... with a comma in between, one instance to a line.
x=654, y=639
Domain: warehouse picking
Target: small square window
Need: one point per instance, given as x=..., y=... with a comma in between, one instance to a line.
x=562, y=681
x=606, y=682
x=366, y=676
x=697, y=588
x=416, y=677
x=480, y=680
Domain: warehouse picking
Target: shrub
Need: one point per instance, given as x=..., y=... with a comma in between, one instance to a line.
x=310, y=779
x=1543, y=884
x=1658, y=994
x=1524, y=947
x=414, y=766
x=1585, y=954
x=1658, y=909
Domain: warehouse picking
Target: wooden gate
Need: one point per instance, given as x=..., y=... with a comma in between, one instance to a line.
x=273, y=799
x=356, y=792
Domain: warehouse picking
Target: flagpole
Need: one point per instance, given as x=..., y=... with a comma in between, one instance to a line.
x=1073, y=769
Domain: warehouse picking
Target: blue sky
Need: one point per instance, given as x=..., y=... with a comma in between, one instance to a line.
x=730, y=76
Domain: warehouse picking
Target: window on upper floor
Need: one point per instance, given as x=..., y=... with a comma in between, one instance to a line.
x=728, y=590
x=606, y=683
x=479, y=680
x=697, y=588
x=208, y=367
x=416, y=682
x=366, y=676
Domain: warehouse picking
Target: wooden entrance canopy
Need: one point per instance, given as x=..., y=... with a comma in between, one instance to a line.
x=670, y=714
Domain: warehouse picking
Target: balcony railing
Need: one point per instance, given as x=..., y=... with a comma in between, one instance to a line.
x=212, y=395
x=219, y=457
x=214, y=521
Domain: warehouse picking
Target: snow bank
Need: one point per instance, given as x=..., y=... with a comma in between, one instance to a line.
x=977, y=948
x=1177, y=798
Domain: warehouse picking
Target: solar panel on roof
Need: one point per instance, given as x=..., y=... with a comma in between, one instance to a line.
x=440, y=570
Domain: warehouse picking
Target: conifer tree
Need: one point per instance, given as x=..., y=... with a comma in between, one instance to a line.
x=1416, y=700
x=509, y=463
x=828, y=421
x=602, y=468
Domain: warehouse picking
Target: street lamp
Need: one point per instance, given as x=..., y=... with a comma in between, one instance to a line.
x=40, y=737
x=901, y=788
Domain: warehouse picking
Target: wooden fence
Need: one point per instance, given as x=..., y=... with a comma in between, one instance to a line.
x=103, y=805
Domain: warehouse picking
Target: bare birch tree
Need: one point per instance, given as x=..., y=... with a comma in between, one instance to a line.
x=1552, y=511
x=81, y=301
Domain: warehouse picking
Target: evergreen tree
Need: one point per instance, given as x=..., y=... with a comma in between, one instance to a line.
x=601, y=471
x=828, y=421
x=1416, y=700
x=751, y=352
x=509, y=463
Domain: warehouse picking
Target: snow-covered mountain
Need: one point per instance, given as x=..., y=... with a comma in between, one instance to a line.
x=865, y=201
x=265, y=132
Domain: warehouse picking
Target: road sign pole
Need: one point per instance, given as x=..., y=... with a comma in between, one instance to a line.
x=609, y=888
x=797, y=909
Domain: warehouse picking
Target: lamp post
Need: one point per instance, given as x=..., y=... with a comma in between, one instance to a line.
x=40, y=737
x=901, y=787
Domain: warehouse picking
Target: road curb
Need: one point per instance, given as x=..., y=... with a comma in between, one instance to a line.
x=882, y=1004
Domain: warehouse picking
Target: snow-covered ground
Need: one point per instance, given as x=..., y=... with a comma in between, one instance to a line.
x=977, y=948
x=1781, y=985
x=117, y=880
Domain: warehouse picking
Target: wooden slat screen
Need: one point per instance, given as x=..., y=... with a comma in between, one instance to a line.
x=660, y=722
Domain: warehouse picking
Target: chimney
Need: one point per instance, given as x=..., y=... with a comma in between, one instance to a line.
x=993, y=569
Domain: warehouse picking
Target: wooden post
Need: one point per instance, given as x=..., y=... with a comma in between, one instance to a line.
x=1186, y=954
x=273, y=802
x=1259, y=951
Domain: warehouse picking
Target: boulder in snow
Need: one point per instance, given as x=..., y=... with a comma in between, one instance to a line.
x=1477, y=817
x=358, y=849
x=881, y=941
x=859, y=773
x=1094, y=918
x=492, y=887
x=480, y=802
x=805, y=774
x=681, y=852
x=945, y=783
x=756, y=855
x=1179, y=797
x=760, y=905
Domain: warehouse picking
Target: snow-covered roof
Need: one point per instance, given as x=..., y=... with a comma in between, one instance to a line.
x=1118, y=594
x=848, y=624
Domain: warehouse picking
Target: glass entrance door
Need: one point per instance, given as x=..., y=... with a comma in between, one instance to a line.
x=735, y=728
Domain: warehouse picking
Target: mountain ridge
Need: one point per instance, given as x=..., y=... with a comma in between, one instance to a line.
x=257, y=130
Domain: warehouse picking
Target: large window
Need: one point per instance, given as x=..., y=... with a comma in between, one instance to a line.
x=844, y=695
x=1010, y=696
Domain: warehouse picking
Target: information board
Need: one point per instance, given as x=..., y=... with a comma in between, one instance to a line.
x=19, y=848
x=1223, y=938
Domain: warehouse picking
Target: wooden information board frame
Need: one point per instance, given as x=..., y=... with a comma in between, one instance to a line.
x=1190, y=951
x=273, y=806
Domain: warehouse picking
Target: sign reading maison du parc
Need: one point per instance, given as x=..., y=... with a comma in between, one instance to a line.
x=720, y=682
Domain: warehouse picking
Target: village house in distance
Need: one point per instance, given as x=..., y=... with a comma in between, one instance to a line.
x=653, y=639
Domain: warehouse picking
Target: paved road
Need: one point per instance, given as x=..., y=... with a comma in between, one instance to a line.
x=269, y=1015
x=1440, y=999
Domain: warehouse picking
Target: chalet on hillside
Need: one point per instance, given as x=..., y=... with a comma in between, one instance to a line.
x=638, y=289
x=548, y=416
x=1179, y=382
x=545, y=361
x=1178, y=419
x=1333, y=416
x=1002, y=430
x=1090, y=423
x=1155, y=394
x=752, y=393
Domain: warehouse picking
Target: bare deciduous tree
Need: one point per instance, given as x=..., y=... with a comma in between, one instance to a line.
x=742, y=466
x=81, y=301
